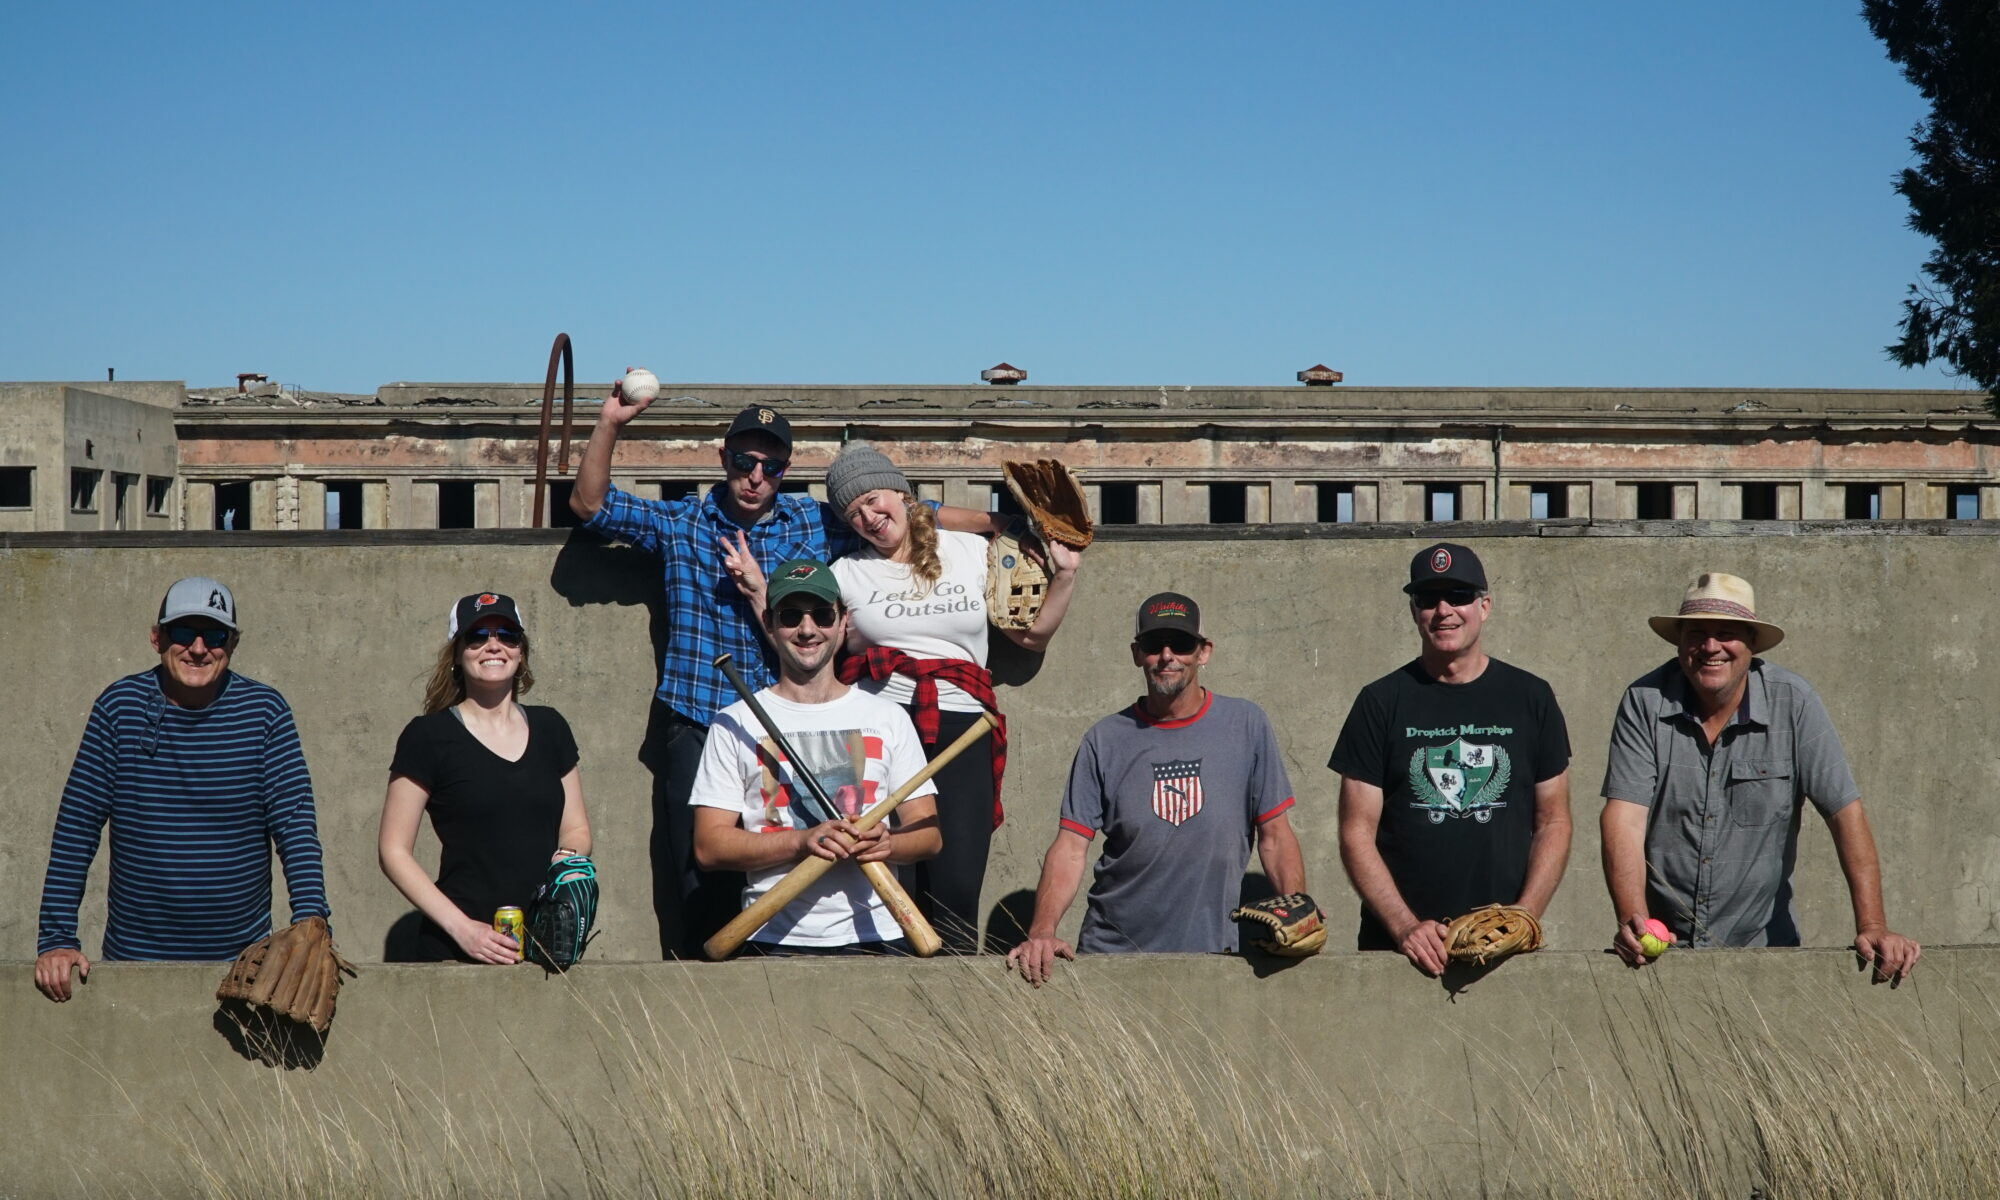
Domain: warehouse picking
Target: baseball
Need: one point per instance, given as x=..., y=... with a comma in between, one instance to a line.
x=1656, y=939
x=640, y=386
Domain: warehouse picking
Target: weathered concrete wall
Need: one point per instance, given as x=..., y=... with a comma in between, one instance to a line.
x=452, y=1080
x=1892, y=628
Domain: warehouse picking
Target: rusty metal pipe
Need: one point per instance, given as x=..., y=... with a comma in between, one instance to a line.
x=558, y=352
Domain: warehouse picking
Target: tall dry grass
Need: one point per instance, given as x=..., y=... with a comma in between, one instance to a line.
x=1016, y=1096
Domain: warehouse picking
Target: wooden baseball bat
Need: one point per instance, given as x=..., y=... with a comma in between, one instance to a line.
x=799, y=878
x=924, y=940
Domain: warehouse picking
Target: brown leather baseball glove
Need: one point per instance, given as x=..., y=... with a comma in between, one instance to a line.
x=1292, y=926
x=293, y=973
x=1492, y=933
x=1052, y=498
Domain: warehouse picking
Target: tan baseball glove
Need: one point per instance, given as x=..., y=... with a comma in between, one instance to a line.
x=1052, y=498
x=1492, y=933
x=293, y=973
x=1016, y=584
x=1292, y=926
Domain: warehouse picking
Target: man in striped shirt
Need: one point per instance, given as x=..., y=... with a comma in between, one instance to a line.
x=198, y=772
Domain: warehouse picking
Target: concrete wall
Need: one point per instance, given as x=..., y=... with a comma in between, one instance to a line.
x=869, y=1077
x=1891, y=627
x=56, y=429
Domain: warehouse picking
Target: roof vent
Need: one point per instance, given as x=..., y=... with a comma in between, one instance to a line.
x=1319, y=375
x=1004, y=373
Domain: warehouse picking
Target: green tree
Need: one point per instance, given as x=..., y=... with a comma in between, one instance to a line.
x=1950, y=49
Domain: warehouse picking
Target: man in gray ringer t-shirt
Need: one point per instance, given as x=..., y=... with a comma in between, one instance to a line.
x=1179, y=784
x=1710, y=755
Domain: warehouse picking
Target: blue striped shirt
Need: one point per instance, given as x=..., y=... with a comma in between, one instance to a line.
x=195, y=798
x=706, y=615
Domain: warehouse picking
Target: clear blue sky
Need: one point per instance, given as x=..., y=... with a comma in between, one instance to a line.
x=340, y=196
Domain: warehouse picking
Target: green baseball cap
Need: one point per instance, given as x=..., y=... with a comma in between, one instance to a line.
x=807, y=575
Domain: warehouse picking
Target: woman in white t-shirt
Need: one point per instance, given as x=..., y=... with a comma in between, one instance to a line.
x=916, y=595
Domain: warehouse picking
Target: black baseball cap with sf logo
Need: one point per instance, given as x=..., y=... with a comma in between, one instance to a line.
x=1445, y=565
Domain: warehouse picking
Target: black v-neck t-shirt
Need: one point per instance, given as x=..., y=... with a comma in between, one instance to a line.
x=496, y=821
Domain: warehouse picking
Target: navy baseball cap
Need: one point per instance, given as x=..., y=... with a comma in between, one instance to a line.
x=483, y=604
x=1444, y=565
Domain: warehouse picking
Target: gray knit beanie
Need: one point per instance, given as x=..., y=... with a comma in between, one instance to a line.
x=858, y=470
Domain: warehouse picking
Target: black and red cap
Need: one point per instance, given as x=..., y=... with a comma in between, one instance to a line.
x=483, y=604
x=1445, y=565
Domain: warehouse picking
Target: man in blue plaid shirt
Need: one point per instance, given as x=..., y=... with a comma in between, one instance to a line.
x=706, y=615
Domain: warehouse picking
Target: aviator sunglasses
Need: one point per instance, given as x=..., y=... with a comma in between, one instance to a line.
x=508, y=637
x=823, y=616
x=744, y=463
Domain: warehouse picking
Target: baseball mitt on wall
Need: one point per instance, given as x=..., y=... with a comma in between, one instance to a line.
x=1016, y=584
x=1492, y=933
x=560, y=917
x=1053, y=500
x=293, y=973
x=1292, y=925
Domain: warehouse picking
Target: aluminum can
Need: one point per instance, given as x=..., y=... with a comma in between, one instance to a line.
x=514, y=923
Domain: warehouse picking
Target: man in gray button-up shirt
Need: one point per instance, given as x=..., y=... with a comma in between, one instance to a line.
x=1710, y=755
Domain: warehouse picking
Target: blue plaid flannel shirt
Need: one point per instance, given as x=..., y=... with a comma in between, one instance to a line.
x=706, y=615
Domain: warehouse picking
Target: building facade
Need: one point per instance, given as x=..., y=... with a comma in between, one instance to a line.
x=463, y=455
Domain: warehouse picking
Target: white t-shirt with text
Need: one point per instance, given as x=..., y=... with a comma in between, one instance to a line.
x=947, y=622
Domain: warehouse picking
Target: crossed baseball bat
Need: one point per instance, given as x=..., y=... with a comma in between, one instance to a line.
x=923, y=939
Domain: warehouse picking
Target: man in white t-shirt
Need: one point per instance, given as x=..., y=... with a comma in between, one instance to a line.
x=753, y=814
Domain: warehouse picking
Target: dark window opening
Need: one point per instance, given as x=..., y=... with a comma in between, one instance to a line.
x=560, y=515
x=1335, y=503
x=1228, y=503
x=1118, y=504
x=157, y=490
x=121, y=498
x=1002, y=501
x=1760, y=501
x=17, y=487
x=1548, y=501
x=343, y=504
x=232, y=505
x=1864, y=502
x=1962, y=502
x=83, y=490
x=1441, y=502
x=1655, y=501
x=455, y=504
x=677, y=489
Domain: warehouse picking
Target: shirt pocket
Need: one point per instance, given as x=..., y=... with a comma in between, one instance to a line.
x=1760, y=791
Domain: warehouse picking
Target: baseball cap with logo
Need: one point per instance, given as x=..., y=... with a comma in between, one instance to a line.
x=797, y=575
x=199, y=597
x=762, y=418
x=1168, y=612
x=1444, y=565
x=483, y=604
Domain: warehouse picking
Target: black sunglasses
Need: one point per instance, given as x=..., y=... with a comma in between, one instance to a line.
x=823, y=616
x=1179, y=643
x=743, y=463
x=508, y=637
x=185, y=635
x=1456, y=597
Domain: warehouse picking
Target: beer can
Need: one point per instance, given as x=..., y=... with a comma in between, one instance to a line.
x=514, y=923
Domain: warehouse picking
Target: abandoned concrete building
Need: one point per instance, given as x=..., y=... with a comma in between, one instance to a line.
x=139, y=456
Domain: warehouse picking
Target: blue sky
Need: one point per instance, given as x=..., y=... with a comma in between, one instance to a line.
x=1458, y=194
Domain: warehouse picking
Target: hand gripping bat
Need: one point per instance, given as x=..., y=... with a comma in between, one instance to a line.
x=923, y=939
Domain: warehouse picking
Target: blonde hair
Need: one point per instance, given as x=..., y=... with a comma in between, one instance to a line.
x=925, y=567
x=447, y=685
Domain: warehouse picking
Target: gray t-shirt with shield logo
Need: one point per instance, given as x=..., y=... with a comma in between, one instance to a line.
x=1177, y=802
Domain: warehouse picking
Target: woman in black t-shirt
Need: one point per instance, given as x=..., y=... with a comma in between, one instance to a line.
x=498, y=779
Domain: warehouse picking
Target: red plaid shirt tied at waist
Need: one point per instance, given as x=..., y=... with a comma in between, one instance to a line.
x=880, y=662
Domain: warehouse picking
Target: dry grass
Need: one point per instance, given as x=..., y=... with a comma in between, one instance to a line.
x=671, y=1105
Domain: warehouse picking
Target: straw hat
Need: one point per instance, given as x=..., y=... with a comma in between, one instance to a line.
x=1717, y=597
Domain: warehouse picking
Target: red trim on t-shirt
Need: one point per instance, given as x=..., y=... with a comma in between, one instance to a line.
x=1274, y=812
x=1088, y=833
x=1146, y=719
